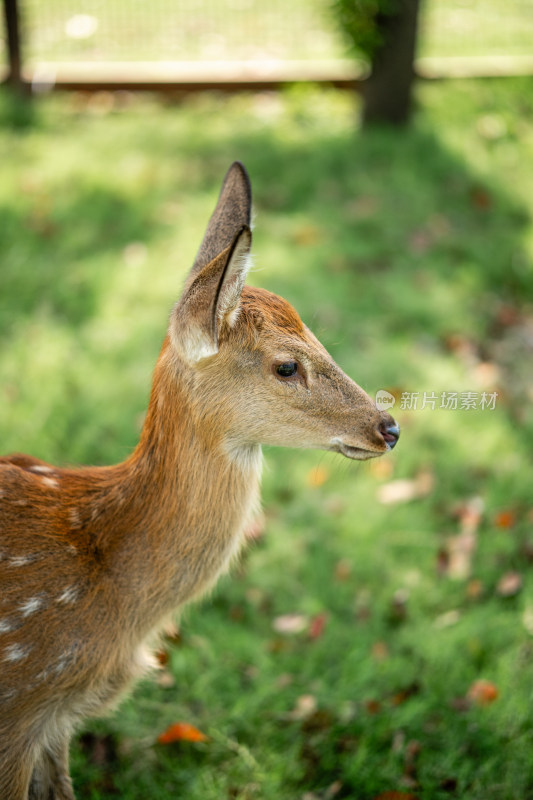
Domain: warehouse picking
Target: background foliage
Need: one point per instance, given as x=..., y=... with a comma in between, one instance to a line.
x=410, y=255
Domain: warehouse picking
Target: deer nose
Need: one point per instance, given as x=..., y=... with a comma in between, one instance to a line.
x=390, y=432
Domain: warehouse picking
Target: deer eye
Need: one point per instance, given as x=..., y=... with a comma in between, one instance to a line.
x=288, y=369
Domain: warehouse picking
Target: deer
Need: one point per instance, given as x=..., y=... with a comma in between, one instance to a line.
x=95, y=560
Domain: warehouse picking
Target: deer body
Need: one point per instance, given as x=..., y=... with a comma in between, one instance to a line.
x=94, y=560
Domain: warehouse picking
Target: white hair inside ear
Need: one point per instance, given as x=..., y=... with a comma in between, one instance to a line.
x=229, y=297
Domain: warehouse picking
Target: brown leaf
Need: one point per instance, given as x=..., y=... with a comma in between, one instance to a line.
x=505, y=519
x=474, y=589
x=181, y=732
x=395, y=796
x=317, y=625
x=482, y=693
x=509, y=584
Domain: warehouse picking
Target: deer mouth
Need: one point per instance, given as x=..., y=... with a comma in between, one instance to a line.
x=355, y=453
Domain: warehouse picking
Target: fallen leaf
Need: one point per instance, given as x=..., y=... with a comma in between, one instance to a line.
x=290, y=624
x=482, y=693
x=317, y=477
x=448, y=619
x=505, y=519
x=333, y=790
x=395, y=796
x=317, y=625
x=405, y=489
x=461, y=548
x=509, y=584
x=474, y=589
x=181, y=732
x=305, y=706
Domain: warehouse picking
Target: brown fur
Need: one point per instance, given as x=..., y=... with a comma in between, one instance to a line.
x=93, y=560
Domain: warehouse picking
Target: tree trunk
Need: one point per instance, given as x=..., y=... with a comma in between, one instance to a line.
x=387, y=92
x=12, y=22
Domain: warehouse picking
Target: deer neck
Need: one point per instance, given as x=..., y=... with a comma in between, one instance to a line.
x=190, y=497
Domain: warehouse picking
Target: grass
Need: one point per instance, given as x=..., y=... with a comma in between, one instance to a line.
x=410, y=255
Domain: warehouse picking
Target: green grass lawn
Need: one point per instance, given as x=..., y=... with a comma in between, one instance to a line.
x=410, y=255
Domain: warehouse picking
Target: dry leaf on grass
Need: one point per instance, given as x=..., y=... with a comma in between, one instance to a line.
x=317, y=625
x=482, y=693
x=290, y=624
x=181, y=732
x=509, y=584
x=505, y=519
x=395, y=796
x=460, y=549
x=306, y=705
x=405, y=489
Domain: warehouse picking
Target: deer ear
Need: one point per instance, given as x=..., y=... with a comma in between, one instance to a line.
x=232, y=212
x=210, y=300
x=213, y=289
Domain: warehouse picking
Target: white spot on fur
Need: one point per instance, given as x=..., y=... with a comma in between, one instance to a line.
x=31, y=605
x=15, y=652
x=6, y=626
x=8, y=694
x=64, y=660
x=74, y=517
x=21, y=561
x=51, y=482
x=41, y=468
x=69, y=595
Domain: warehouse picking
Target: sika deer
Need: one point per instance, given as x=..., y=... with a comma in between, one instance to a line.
x=93, y=560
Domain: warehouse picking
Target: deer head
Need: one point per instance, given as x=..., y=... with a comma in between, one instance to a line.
x=259, y=376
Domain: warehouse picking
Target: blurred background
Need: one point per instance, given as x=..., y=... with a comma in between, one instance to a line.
x=375, y=640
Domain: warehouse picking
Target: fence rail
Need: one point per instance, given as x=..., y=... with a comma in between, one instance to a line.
x=241, y=44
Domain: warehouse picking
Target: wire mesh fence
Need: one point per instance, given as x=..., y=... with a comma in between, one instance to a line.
x=96, y=31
